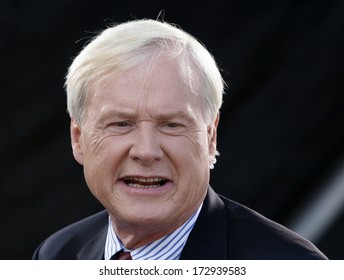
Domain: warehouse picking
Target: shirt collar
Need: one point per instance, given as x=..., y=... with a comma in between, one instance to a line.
x=168, y=247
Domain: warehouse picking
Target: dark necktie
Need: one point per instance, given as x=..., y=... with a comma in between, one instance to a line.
x=121, y=255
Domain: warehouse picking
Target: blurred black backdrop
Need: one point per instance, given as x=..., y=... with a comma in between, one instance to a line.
x=281, y=132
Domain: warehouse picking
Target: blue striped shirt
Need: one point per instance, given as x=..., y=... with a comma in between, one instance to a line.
x=168, y=247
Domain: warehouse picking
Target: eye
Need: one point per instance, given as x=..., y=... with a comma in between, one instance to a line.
x=172, y=128
x=172, y=124
x=121, y=124
x=120, y=127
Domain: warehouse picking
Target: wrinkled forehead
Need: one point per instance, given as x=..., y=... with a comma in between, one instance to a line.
x=159, y=80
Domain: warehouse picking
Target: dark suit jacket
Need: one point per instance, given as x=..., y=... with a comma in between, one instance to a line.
x=224, y=230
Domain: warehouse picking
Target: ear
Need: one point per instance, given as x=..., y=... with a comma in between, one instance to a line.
x=212, y=136
x=75, y=133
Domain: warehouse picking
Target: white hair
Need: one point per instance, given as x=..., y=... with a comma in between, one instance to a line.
x=127, y=45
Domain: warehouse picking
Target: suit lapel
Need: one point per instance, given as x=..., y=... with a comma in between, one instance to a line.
x=208, y=239
x=94, y=248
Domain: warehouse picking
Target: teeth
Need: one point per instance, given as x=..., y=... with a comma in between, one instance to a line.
x=143, y=186
x=144, y=183
x=144, y=180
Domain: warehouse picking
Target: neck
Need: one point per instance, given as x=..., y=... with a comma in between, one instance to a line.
x=134, y=237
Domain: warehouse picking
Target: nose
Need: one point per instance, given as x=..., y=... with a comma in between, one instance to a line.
x=146, y=147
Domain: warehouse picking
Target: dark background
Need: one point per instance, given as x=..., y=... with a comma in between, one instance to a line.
x=281, y=132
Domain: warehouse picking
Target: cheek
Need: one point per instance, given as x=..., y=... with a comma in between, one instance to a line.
x=189, y=154
x=102, y=159
x=197, y=147
x=103, y=148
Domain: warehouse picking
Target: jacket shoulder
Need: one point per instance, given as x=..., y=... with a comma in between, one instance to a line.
x=67, y=242
x=253, y=236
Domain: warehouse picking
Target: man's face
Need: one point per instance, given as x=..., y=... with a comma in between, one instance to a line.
x=145, y=148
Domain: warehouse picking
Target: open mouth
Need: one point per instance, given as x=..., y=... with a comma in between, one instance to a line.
x=144, y=183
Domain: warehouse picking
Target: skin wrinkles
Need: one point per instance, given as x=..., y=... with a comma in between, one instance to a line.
x=100, y=131
x=155, y=129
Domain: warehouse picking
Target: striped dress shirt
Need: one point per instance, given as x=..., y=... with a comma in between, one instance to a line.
x=168, y=247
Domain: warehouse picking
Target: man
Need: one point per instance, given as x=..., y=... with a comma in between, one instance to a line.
x=144, y=100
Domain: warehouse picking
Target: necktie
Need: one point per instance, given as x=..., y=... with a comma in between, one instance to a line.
x=121, y=255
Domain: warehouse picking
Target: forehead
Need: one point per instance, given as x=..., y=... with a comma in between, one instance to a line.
x=159, y=83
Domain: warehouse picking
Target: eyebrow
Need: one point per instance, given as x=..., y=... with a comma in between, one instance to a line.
x=160, y=116
x=172, y=115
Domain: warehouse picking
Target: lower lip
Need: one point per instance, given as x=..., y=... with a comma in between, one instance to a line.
x=157, y=191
